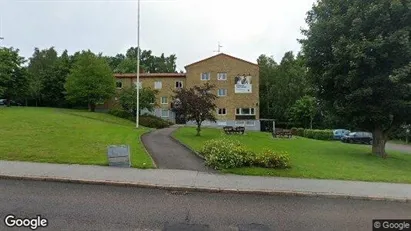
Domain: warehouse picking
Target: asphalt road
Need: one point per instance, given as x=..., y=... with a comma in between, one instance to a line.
x=98, y=207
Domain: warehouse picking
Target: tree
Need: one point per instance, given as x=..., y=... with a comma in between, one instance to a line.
x=358, y=54
x=90, y=81
x=281, y=84
x=304, y=111
x=196, y=104
x=128, y=99
x=13, y=77
x=148, y=62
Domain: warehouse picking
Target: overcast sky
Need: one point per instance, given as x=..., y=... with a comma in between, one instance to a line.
x=191, y=29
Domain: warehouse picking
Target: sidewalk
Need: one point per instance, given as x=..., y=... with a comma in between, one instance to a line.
x=202, y=181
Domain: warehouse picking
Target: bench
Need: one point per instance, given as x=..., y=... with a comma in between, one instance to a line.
x=233, y=130
x=282, y=133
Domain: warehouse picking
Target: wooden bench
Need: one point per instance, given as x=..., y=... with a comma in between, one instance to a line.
x=282, y=133
x=233, y=130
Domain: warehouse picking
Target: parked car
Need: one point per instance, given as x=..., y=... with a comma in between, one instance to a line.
x=340, y=133
x=358, y=137
x=3, y=102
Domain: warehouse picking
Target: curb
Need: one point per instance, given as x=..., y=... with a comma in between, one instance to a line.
x=184, y=145
x=144, y=146
x=202, y=189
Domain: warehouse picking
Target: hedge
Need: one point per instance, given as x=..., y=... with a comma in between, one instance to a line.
x=318, y=134
x=145, y=120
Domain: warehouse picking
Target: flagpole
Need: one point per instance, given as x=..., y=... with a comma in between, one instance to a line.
x=138, y=63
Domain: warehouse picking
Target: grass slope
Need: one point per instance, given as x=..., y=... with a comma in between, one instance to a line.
x=313, y=158
x=66, y=136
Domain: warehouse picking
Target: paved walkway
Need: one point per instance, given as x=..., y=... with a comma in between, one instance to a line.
x=201, y=181
x=398, y=147
x=168, y=154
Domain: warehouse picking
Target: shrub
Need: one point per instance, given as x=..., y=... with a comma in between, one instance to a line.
x=121, y=113
x=271, y=159
x=146, y=120
x=300, y=132
x=153, y=122
x=294, y=131
x=318, y=134
x=225, y=153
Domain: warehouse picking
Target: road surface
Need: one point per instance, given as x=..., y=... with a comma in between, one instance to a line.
x=398, y=147
x=98, y=207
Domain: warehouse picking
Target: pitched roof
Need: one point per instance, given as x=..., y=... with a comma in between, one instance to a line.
x=151, y=75
x=221, y=54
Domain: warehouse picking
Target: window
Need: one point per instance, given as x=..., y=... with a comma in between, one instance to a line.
x=164, y=113
x=205, y=76
x=222, y=111
x=140, y=84
x=222, y=92
x=179, y=84
x=157, y=85
x=250, y=123
x=164, y=100
x=153, y=100
x=119, y=84
x=245, y=111
x=239, y=123
x=222, y=76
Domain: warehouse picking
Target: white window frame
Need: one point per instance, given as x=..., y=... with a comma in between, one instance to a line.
x=158, y=86
x=220, y=75
x=248, y=124
x=208, y=76
x=252, y=111
x=165, y=110
x=181, y=83
x=218, y=111
x=121, y=82
x=218, y=92
x=164, y=97
x=240, y=123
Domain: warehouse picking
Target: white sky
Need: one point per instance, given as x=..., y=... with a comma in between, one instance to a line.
x=191, y=29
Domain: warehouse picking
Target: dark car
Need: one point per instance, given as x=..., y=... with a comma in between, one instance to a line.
x=358, y=137
x=3, y=102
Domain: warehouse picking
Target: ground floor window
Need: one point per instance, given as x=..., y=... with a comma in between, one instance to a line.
x=245, y=111
x=222, y=111
x=164, y=113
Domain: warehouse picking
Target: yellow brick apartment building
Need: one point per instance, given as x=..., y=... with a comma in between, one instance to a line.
x=237, y=89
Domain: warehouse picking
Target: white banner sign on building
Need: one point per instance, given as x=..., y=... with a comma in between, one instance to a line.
x=243, y=84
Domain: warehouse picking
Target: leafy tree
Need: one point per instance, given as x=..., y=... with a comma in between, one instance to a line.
x=304, y=111
x=281, y=84
x=13, y=77
x=358, y=54
x=196, y=104
x=149, y=62
x=90, y=81
x=128, y=99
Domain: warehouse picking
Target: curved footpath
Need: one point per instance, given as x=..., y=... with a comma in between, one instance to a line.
x=184, y=180
x=169, y=154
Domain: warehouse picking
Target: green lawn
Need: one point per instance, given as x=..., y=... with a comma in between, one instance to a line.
x=67, y=136
x=313, y=158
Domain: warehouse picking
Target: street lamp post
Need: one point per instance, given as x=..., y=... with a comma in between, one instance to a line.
x=138, y=63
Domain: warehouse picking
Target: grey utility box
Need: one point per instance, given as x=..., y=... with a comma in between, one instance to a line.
x=119, y=156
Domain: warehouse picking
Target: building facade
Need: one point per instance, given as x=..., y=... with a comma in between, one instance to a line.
x=237, y=89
